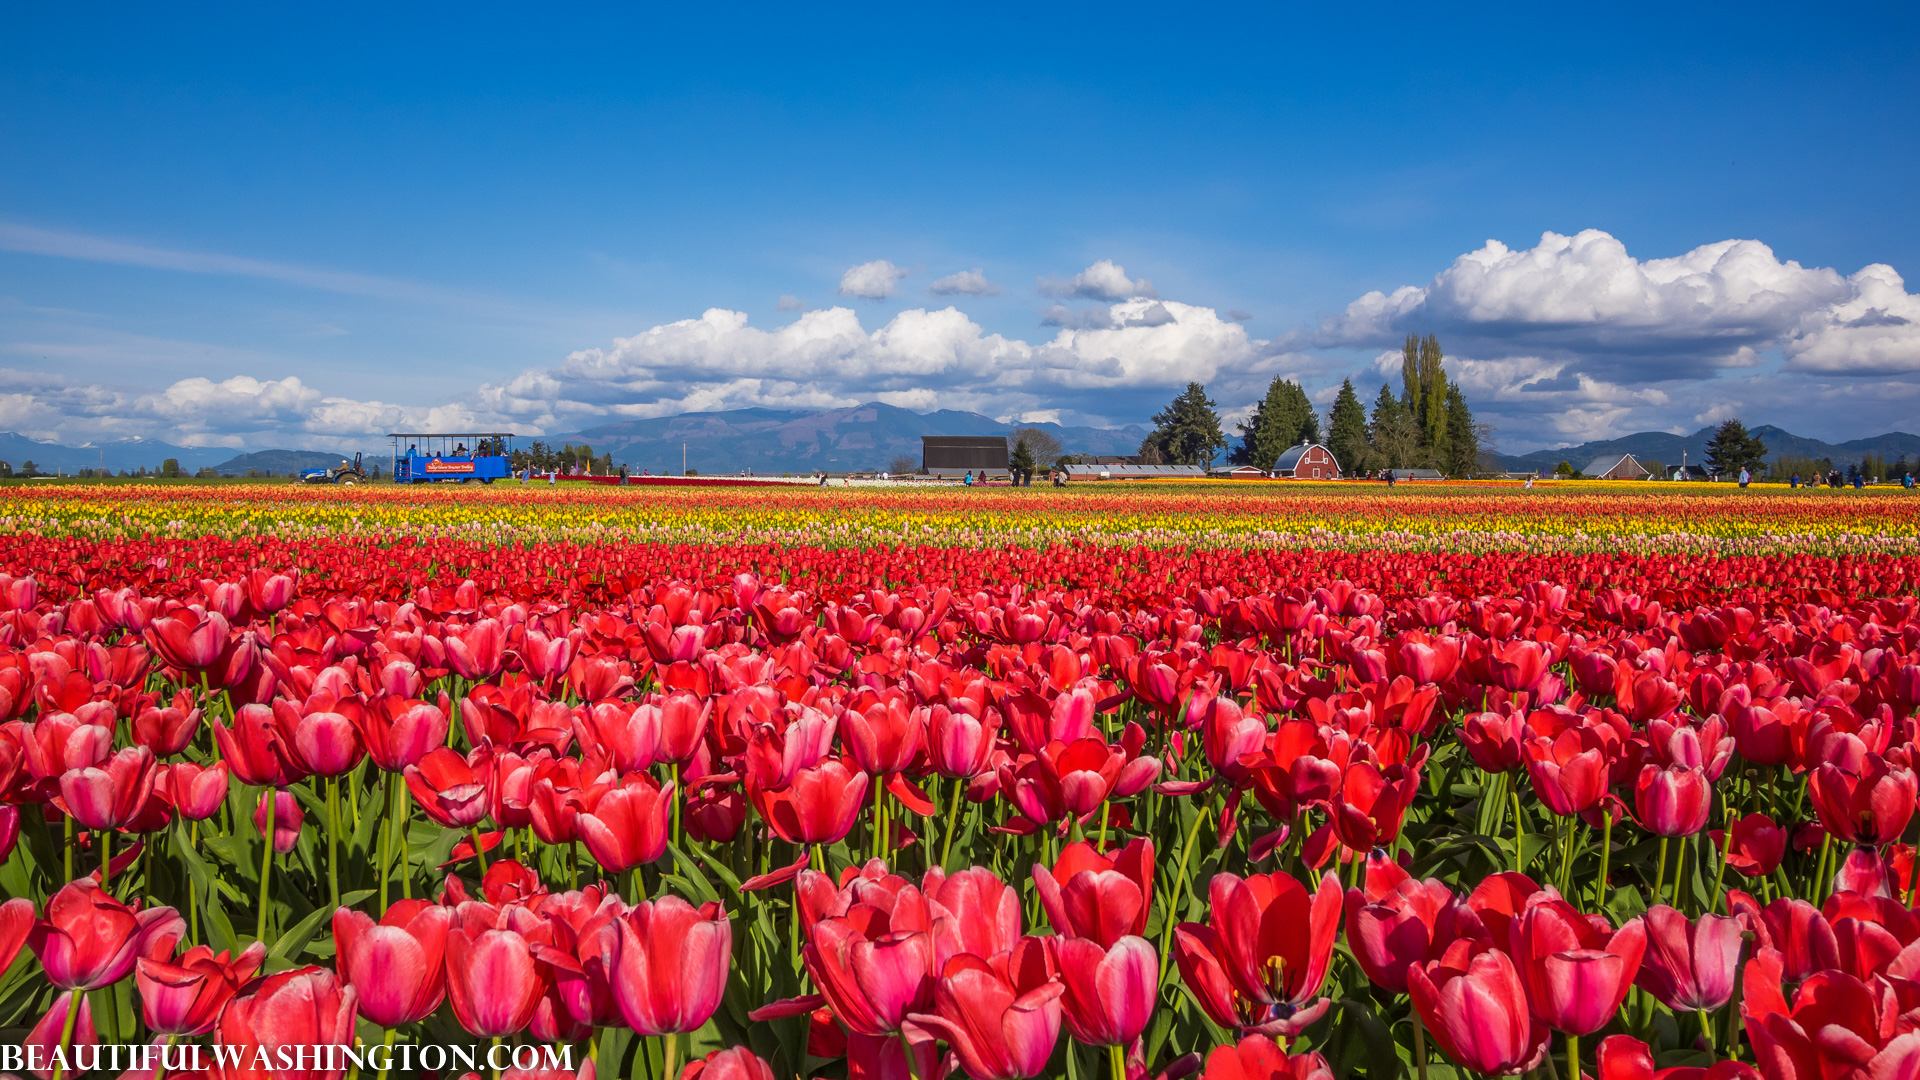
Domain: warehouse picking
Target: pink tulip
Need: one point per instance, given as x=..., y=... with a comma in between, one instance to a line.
x=396, y=967
x=110, y=795
x=1109, y=993
x=492, y=980
x=1001, y=1016
x=288, y=818
x=185, y=996
x=196, y=792
x=1472, y=1001
x=88, y=940
x=666, y=962
x=1576, y=973
x=1689, y=967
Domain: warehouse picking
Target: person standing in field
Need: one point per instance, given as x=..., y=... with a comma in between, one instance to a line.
x=1745, y=476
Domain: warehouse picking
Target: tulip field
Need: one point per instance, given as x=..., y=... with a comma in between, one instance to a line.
x=1248, y=782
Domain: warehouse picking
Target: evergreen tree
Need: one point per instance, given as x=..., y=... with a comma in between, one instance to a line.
x=1463, y=440
x=1187, y=431
x=1280, y=420
x=1733, y=449
x=1021, y=461
x=1347, y=430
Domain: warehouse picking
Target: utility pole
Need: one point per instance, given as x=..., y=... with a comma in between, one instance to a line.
x=683, y=459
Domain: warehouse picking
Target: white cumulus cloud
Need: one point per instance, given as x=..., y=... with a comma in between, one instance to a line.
x=1104, y=280
x=871, y=280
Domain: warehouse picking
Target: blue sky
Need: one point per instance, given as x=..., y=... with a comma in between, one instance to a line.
x=298, y=227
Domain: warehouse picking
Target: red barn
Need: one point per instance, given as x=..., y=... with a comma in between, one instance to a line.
x=1308, y=461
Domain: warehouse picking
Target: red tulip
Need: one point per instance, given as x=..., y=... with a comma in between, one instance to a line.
x=626, y=824
x=1836, y=1027
x=1757, y=848
x=321, y=743
x=398, y=731
x=1569, y=772
x=1689, y=966
x=1257, y=1057
x=1673, y=801
x=1576, y=973
x=251, y=748
x=1517, y=665
x=1795, y=931
x=397, y=967
x=872, y=973
x=1000, y=1015
x=305, y=1009
x=46, y=1036
x=88, y=940
x=1099, y=897
x=972, y=911
x=884, y=738
x=628, y=733
x=288, y=819
x=960, y=745
x=16, y=925
x=1765, y=734
x=1403, y=924
x=168, y=730
x=666, y=962
x=479, y=651
x=1263, y=955
x=55, y=744
x=1871, y=807
x=818, y=807
x=185, y=996
x=110, y=795
x=450, y=789
x=1109, y=991
x=683, y=723
x=1492, y=740
x=733, y=1063
x=1623, y=1057
x=1372, y=803
x=188, y=640
x=1473, y=1003
x=492, y=980
x=268, y=592
x=1227, y=734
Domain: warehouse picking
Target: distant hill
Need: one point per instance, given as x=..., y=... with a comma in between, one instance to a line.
x=16, y=450
x=866, y=436
x=278, y=462
x=1667, y=448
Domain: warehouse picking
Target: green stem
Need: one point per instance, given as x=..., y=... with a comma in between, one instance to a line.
x=1720, y=875
x=906, y=1050
x=66, y=853
x=678, y=798
x=386, y=845
x=879, y=815
x=1519, y=862
x=1573, y=1056
x=389, y=1055
x=266, y=859
x=66, y=1031
x=160, y=1071
x=1606, y=853
x=478, y=851
x=1660, y=871
x=106, y=860
x=1180, y=875
x=333, y=840
x=1706, y=1028
x=1117, y=1058
x=670, y=1050
x=1419, y=1044
x=496, y=1071
x=953, y=822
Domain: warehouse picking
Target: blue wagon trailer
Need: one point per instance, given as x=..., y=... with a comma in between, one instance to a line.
x=458, y=457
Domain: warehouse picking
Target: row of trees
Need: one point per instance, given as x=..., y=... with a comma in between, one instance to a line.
x=541, y=458
x=1427, y=426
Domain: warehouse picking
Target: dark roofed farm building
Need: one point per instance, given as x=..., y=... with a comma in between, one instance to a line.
x=1308, y=461
x=956, y=454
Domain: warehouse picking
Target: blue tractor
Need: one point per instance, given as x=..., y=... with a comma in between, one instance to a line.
x=458, y=457
x=345, y=474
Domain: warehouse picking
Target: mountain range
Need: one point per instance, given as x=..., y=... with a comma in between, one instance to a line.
x=866, y=436
x=1668, y=448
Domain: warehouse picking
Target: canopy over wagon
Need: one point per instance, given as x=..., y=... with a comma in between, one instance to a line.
x=426, y=457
